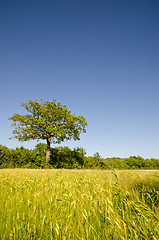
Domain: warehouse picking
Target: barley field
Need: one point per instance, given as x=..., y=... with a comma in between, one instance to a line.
x=79, y=204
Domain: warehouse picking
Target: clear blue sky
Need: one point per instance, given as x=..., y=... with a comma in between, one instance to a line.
x=100, y=58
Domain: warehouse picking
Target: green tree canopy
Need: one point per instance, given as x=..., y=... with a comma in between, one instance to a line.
x=47, y=120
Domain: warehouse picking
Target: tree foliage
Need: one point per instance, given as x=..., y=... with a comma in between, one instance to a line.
x=47, y=119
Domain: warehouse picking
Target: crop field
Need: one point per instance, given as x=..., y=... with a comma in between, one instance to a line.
x=79, y=204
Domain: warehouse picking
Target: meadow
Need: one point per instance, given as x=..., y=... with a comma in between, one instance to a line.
x=79, y=204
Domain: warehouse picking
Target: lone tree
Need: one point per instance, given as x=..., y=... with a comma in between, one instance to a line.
x=47, y=120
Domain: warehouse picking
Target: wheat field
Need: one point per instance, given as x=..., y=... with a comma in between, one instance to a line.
x=79, y=204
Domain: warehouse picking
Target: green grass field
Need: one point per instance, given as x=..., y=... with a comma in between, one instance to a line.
x=84, y=204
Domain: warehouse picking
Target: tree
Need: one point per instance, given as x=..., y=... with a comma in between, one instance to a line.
x=79, y=154
x=40, y=154
x=5, y=155
x=47, y=120
x=97, y=156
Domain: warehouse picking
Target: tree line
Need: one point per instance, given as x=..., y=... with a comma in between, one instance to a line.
x=64, y=157
x=53, y=122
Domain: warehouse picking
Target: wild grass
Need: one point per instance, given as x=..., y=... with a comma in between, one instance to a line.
x=70, y=204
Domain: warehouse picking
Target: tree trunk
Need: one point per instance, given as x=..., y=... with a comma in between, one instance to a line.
x=48, y=150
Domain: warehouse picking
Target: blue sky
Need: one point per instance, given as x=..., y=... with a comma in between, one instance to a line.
x=100, y=58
